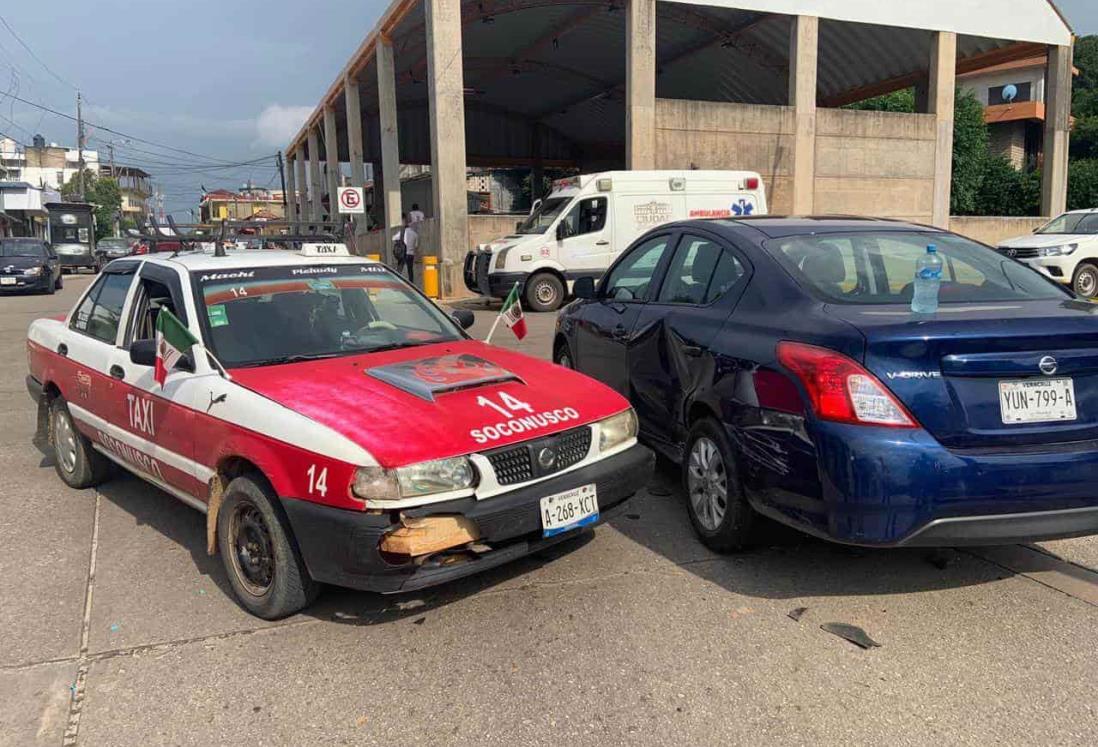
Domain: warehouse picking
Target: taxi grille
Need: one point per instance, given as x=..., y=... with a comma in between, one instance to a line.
x=530, y=460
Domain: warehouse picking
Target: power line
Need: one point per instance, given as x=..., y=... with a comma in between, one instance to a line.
x=117, y=132
x=33, y=55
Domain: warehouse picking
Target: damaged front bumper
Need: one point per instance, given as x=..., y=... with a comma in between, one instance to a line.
x=343, y=547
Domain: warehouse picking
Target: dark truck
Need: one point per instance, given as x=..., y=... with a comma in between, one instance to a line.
x=72, y=234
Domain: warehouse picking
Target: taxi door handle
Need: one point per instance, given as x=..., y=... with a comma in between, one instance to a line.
x=118, y=372
x=63, y=350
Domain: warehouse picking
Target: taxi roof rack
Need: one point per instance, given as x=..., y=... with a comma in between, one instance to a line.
x=191, y=237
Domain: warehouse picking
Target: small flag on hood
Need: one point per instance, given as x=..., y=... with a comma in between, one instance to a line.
x=512, y=313
x=173, y=341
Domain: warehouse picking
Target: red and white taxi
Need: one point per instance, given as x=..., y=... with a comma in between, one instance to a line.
x=334, y=424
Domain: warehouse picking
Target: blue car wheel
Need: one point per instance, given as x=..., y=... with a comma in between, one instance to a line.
x=715, y=501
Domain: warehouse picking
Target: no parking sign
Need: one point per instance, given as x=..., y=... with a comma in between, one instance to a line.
x=350, y=201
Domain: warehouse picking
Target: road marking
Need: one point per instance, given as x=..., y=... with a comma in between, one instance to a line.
x=1045, y=568
x=76, y=704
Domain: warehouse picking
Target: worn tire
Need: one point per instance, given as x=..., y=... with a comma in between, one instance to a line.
x=59, y=284
x=76, y=462
x=1085, y=281
x=254, y=537
x=732, y=529
x=544, y=292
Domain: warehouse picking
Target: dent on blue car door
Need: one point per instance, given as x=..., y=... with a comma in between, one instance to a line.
x=669, y=354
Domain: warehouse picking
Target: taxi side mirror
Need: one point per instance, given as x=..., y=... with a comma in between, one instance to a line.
x=584, y=288
x=143, y=352
x=463, y=317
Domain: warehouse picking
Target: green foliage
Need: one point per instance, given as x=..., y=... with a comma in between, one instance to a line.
x=897, y=101
x=103, y=193
x=1004, y=190
x=1083, y=184
x=970, y=154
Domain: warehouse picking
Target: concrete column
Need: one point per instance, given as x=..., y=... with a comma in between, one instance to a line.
x=291, y=188
x=640, y=85
x=387, y=183
x=537, y=172
x=315, y=187
x=331, y=153
x=803, y=48
x=302, y=209
x=1054, y=171
x=941, y=100
x=446, y=93
x=354, y=141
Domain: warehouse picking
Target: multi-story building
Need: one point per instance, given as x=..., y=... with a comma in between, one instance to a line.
x=1013, y=96
x=250, y=203
x=135, y=186
x=43, y=165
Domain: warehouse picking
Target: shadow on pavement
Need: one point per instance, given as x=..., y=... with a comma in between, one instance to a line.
x=186, y=527
x=786, y=564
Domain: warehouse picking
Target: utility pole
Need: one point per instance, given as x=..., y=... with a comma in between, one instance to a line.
x=80, y=145
x=110, y=150
x=282, y=178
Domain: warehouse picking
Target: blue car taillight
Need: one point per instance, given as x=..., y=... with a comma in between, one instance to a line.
x=842, y=391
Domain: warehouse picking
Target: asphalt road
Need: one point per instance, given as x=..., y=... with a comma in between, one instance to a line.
x=117, y=629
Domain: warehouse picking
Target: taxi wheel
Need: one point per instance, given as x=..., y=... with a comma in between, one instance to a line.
x=544, y=292
x=718, y=509
x=77, y=463
x=259, y=553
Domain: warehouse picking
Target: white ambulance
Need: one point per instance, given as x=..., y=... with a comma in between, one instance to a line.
x=586, y=221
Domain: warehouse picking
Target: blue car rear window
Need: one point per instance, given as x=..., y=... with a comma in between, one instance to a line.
x=879, y=268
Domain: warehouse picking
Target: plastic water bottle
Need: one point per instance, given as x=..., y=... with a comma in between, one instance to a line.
x=928, y=279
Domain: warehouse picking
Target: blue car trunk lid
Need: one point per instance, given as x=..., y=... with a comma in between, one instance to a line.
x=946, y=367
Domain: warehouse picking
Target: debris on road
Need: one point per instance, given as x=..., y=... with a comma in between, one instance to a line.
x=795, y=614
x=419, y=621
x=851, y=633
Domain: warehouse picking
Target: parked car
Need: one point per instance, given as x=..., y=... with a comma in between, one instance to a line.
x=585, y=222
x=28, y=265
x=332, y=422
x=779, y=362
x=1065, y=249
x=113, y=248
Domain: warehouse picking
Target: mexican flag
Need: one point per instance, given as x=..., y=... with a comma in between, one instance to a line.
x=173, y=341
x=511, y=313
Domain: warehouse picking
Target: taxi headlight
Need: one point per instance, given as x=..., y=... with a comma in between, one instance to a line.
x=618, y=429
x=33, y=271
x=425, y=478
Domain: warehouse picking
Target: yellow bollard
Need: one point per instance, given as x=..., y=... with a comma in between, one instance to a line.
x=373, y=257
x=430, y=277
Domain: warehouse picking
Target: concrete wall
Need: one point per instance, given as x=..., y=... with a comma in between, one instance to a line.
x=867, y=163
x=875, y=163
x=711, y=135
x=993, y=230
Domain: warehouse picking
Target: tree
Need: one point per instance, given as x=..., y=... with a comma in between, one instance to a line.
x=103, y=192
x=1083, y=184
x=970, y=154
x=897, y=101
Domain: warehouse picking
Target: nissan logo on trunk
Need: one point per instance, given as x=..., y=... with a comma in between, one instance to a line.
x=1047, y=365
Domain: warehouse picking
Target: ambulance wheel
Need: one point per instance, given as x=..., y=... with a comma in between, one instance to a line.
x=77, y=463
x=544, y=292
x=259, y=552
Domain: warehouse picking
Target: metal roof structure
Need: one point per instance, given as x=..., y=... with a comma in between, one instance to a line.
x=562, y=65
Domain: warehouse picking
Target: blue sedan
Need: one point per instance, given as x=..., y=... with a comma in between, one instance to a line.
x=778, y=360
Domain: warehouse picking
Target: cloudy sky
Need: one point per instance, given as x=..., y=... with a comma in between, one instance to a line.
x=229, y=83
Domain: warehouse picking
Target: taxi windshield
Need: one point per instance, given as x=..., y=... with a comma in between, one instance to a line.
x=269, y=315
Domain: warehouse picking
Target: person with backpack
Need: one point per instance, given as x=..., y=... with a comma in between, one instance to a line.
x=405, y=244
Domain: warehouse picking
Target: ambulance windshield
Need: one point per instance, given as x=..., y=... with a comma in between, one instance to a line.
x=270, y=315
x=546, y=214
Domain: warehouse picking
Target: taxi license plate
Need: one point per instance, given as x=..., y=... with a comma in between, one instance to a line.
x=7, y=281
x=574, y=508
x=1037, y=400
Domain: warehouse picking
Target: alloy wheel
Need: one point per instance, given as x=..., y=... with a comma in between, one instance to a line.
x=707, y=482
x=64, y=441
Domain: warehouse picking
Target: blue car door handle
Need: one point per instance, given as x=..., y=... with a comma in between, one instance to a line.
x=694, y=351
x=620, y=332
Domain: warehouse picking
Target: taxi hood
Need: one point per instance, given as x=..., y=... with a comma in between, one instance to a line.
x=436, y=401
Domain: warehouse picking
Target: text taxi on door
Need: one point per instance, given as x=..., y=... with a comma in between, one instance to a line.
x=334, y=424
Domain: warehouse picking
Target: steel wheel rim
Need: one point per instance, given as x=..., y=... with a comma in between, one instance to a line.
x=707, y=482
x=545, y=292
x=252, y=549
x=1087, y=283
x=64, y=442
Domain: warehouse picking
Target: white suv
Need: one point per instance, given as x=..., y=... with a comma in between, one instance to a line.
x=1065, y=249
